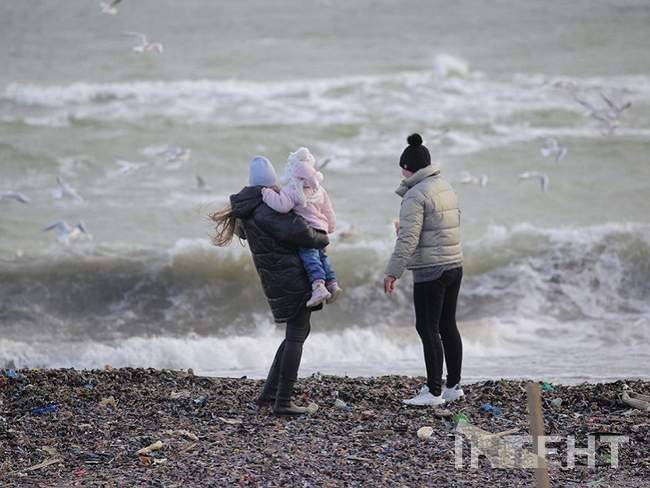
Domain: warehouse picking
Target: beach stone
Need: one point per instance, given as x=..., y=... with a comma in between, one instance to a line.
x=425, y=433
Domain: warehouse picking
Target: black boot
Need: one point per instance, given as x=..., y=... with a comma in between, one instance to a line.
x=283, y=404
x=270, y=390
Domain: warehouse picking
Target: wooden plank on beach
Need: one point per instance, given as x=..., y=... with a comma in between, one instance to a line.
x=536, y=420
x=44, y=464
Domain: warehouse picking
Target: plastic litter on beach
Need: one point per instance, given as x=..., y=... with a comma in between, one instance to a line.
x=489, y=408
x=460, y=417
x=11, y=373
x=312, y=408
x=340, y=404
x=547, y=387
x=556, y=402
x=379, y=435
x=200, y=401
x=46, y=409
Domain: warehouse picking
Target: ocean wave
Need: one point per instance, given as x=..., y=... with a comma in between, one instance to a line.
x=449, y=94
x=514, y=275
x=489, y=352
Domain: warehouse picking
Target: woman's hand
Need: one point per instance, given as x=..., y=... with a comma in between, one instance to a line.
x=396, y=225
x=389, y=284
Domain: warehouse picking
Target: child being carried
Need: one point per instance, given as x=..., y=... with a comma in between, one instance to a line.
x=302, y=192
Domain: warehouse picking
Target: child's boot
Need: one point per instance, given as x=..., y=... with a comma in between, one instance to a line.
x=319, y=294
x=335, y=290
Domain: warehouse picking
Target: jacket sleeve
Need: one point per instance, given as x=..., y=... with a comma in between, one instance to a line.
x=411, y=216
x=328, y=211
x=280, y=202
x=290, y=229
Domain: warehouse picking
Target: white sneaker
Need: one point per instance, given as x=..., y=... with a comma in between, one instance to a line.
x=453, y=393
x=318, y=295
x=425, y=398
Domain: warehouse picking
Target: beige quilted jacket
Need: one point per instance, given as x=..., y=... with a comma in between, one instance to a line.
x=429, y=218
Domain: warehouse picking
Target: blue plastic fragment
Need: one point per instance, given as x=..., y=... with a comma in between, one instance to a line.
x=488, y=408
x=46, y=409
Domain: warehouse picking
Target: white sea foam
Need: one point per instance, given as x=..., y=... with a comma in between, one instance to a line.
x=349, y=100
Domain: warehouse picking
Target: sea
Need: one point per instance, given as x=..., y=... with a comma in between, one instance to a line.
x=556, y=284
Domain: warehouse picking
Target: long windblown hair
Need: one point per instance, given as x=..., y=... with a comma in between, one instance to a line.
x=225, y=226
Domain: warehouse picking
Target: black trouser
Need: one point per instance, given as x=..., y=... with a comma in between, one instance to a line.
x=435, y=319
x=287, y=358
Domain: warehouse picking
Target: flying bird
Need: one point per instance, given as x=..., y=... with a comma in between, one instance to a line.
x=65, y=190
x=14, y=195
x=67, y=234
x=174, y=154
x=608, y=115
x=126, y=167
x=467, y=178
x=201, y=185
x=553, y=148
x=145, y=46
x=615, y=109
x=109, y=8
x=323, y=165
x=535, y=175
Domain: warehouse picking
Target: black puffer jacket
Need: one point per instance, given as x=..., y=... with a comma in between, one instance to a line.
x=274, y=239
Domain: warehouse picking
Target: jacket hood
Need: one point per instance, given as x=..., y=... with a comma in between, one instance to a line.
x=305, y=171
x=246, y=201
x=417, y=177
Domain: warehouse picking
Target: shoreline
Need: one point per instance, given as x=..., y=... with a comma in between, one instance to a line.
x=84, y=427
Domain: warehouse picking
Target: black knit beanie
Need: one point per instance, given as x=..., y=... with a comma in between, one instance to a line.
x=415, y=156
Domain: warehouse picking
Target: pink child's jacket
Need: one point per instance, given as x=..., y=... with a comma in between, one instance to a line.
x=316, y=210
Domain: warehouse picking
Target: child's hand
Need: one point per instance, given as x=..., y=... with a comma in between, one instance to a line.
x=389, y=284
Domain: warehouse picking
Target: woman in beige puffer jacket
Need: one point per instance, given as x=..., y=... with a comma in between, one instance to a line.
x=428, y=243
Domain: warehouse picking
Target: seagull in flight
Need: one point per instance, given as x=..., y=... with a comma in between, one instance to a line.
x=467, y=178
x=323, y=165
x=175, y=153
x=109, y=8
x=608, y=115
x=201, y=185
x=65, y=190
x=553, y=148
x=13, y=195
x=126, y=167
x=67, y=234
x=535, y=175
x=615, y=109
x=145, y=46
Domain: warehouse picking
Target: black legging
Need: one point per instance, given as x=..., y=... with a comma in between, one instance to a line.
x=287, y=358
x=435, y=319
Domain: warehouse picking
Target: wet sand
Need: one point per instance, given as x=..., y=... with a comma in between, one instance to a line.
x=84, y=428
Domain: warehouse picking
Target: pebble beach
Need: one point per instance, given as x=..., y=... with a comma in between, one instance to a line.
x=146, y=427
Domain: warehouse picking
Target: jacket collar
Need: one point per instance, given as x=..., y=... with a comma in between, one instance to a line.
x=417, y=177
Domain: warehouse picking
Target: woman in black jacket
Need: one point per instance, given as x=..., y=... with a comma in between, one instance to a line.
x=274, y=239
